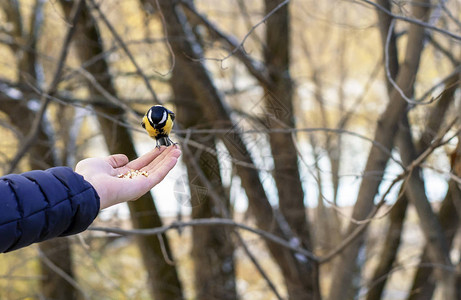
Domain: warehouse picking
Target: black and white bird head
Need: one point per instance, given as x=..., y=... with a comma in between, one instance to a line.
x=157, y=116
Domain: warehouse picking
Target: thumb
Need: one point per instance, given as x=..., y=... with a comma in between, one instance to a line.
x=117, y=160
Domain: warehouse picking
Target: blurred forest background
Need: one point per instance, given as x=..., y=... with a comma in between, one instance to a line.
x=320, y=140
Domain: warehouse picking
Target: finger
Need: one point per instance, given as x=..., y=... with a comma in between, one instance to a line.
x=158, y=159
x=145, y=159
x=162, y=169
x=117, y=160
x=140, y=185
x=171, y=152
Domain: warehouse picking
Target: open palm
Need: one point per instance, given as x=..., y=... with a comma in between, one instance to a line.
x=103, y=173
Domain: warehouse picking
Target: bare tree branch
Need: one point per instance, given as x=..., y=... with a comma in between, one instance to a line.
x=403, y=176
x=412, y=20
x=240, y=46
x=258, y=266
x=208, y=222
x=127, y=51
x=291, y=130
x=219, y=204
x=32, y=136
x=167, y=42
x=255, y=68
x=63, y=274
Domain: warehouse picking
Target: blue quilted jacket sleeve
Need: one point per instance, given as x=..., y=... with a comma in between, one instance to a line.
x=39, y=205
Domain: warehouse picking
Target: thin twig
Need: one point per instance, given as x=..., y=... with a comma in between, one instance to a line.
x=397, y=268
x=361, y=228
x=209, y=222
x=290, y=130
x=239, y=47
x=254, y=68
x=449, y=14
x=258, y=265
x=36, y=125
x=246, y=16
x=191, y=131
x=263, y=20
x=63, y=274
x=165, y=254
x=218, y=202
x=127, y=51
x=353, y=108
x=167, y=41
x=438, y=141
x=107, y=279
x=104, y=54
x=388, y=71
x=443, y=82
x=363, y=224
x=450, y=174
x=411, y=20
x=59, y=13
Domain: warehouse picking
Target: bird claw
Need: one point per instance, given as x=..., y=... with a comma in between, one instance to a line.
x=173, y=143
x=167, y=141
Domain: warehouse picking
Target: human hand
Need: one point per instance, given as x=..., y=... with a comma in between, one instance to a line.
x=103, y=173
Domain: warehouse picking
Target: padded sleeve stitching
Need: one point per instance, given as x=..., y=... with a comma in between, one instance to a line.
x=20, y=208
x=76, y=205
x=41, y=210
x=68, y=189
x=48, y=203
x=69, y=196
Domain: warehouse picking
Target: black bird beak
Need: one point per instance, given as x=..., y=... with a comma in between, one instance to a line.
x=143, y=125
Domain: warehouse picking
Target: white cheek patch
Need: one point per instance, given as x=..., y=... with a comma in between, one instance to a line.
x=149, y=116
x=165, y=115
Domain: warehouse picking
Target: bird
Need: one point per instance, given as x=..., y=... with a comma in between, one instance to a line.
x=158, y=122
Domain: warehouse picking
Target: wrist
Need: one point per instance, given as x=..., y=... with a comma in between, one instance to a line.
x=99, y=189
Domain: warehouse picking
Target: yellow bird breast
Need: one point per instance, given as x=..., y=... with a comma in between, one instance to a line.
x=168, y=126
x=156, y=133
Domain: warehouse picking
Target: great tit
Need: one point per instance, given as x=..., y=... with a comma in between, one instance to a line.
x=158, y=122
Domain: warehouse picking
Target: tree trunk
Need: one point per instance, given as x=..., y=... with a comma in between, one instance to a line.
x=212, y=247
x=434, y=121
x=438, y=247
x=279, y=114
x=424, y=280
x=397, y=215
x=389, y=252
x=384, y=26
x=386, y=129
x=58, y=251
x=297, y=273
x=163, y=278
